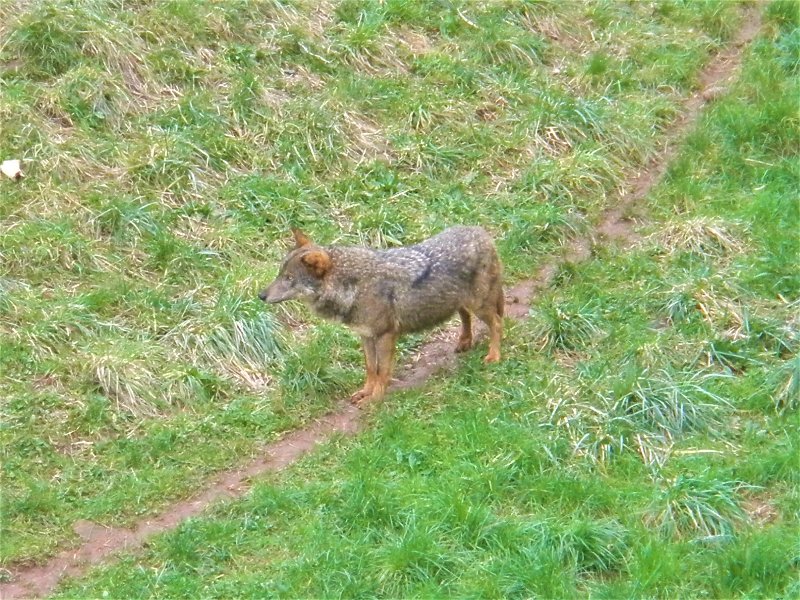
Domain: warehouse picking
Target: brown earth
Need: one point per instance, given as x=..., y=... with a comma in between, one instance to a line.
x=99, y=543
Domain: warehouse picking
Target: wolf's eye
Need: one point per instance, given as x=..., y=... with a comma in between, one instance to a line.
x=290, y=278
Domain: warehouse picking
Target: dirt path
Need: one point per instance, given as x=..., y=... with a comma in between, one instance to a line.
x=100, y=543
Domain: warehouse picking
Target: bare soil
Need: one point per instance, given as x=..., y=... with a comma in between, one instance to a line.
x=100, y=543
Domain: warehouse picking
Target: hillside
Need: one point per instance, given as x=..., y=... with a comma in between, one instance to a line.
x=639, y=438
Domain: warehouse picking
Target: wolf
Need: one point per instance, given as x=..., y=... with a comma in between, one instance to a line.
x=382, y=294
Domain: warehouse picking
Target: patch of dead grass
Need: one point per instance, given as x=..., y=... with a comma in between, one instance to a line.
x=367, y=140
x=710, y=237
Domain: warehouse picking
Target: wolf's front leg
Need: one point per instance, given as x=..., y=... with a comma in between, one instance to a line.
x=368, y=345
x=379, y=353
x=384, y=353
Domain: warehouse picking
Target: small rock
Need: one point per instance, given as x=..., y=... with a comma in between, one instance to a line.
x=713, y=93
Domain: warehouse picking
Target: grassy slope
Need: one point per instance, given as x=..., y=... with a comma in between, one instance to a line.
x=166, y=159
x=652, y=451
x=170, y=146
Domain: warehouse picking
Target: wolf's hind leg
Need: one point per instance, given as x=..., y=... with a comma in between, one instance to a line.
x=491, y=313
x=465, y=340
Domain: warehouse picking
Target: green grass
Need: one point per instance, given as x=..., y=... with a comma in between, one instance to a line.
x=646, y=405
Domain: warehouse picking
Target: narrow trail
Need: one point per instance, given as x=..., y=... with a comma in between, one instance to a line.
x=100, y=543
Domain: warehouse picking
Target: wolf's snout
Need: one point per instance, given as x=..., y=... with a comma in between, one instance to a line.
x=263, y=296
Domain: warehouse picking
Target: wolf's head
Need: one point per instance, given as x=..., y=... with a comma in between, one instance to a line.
x=301, y=274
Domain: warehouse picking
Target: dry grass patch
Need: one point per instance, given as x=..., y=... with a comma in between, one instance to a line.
x=709, y=237
x=368, y=141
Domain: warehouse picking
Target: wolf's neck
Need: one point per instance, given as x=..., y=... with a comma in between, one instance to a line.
x=337, y=302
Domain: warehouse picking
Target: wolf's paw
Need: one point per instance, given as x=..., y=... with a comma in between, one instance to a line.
x=361, y=396
x=464, y=344
x=492, y=357
x=368, y=393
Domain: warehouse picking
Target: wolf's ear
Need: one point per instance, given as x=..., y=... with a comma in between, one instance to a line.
x=317, y=261
x=300, y=238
